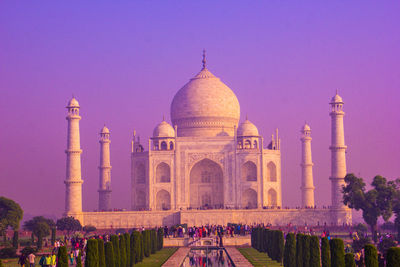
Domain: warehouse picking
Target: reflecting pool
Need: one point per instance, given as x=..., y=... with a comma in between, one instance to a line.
x=206, y=257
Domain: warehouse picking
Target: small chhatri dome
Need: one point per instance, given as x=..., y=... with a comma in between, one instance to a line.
x=247, y=128
x=337, y=98
x=204, y=106
x=164, y=129
x=105, y=130
x=306, y=128
x=73, y=103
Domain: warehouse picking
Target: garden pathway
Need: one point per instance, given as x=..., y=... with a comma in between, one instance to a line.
x=177, y=258
x=237, y=257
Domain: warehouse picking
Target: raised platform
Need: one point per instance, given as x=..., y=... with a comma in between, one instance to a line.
x=135, y=219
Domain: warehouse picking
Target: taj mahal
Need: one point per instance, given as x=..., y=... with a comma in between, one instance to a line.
x=206, y=167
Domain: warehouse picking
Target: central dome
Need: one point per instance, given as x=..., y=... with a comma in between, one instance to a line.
x=205, y=106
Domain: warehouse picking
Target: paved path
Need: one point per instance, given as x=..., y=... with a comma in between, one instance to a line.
x=177, y=258
x=237, y=257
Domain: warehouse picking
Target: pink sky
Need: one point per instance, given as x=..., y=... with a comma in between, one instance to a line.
x=125, y=60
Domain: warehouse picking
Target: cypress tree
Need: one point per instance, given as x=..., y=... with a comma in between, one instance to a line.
x=128, y=249
x=289, y=255
x=306, y=250
x=146, y=243
x=115, y=242
x=102, y=256
x=92, y=253
x=62, y=257
x=280, y=246
x=1, y=263
x=53, y=235
x=136, y=242
x=15, y=239
x=109, y=251
x=371, y=256
x=349, y=260
x=325, y=253
x=122, y=251
x=299, y=250
x=269, y=243
x=79, y=259
x=337, y=252
x=393, y=257
x=153, y=237
x=315, y=256
x=160, y=238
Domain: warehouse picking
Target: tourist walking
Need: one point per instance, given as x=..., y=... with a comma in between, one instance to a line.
x=31, y=259
x=22, y=260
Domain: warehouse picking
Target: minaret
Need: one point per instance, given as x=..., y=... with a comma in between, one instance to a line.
x=307, y=181
x=105, y=170
x=73, y=181
x=338, y=152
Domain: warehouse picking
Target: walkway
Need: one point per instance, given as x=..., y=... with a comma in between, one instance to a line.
x=237, y=257
x=178, y=257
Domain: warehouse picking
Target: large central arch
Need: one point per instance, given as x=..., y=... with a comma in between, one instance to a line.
x=206, y=185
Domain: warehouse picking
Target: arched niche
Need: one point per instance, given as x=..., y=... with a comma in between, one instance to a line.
x=140, y=173
x=249, y=171
x=163, y=173
x=140, y=199
x=163, y=200
x=272, y=197
x=271, y=172
x=249, y=199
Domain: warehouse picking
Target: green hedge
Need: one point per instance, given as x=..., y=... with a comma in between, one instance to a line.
x=289, y=255
x=109, y=251
x=102, y=256
x=136, y=247
x=349, y=260
x=122, y=251
x=337, y=252
x=299, y=250
x=146, y=243
x=62, y=257
x=315, y=255
x=393, y=257
x=128, y=249
x=92, y=253
x=115, y=242
x=306, y=250
x=371, y=256
x=160, y=238
x=79, y=260
x=325, y=253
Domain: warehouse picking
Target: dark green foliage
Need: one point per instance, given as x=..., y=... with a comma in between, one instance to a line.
x=371, y=256
x=115, y=242
x=53, y=235
x=160, y=238
x=325, y=253
x=315, y=256
x=136, y=245
x=109, y=252
x=349, y=260
x=385, y=244
x=146, y=243
x=127, y=238
x=102, y=257
x=89, y=228
x=337, y=252
x=79, y=259
x=15, y=239
x=153, y=241
x=40, y=227
x=393, y=257
x=11, y=214
x=299, y=250
x=28, y=250
x=1, y=263
x=9, y=252
x=141, y=246
x=62, y=257
x=92, y=253
x=289, y=255
x=280, y=246
x=122, y=251
x=306, y=250
x=359, y=244
x=69, y=224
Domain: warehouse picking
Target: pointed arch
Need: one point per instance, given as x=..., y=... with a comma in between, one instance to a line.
x=271, y=172
x=140, y=199
x=249, y=171
x=140, y=173
x=163, y=200
x=249, y=199
x=163, y=173
x=164, y=145
x=272, y=197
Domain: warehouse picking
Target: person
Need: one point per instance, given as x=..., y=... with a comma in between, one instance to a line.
x=53, y=260
x=22, y=260
x=31, y=258
x=71, y=257
x=42, y=261
x=48, y=260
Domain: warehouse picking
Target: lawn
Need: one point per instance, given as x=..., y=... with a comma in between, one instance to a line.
x=157, y=259
x=256, y=258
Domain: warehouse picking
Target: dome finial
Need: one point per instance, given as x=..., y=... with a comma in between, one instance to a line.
x=204, y=59
x=163, y=117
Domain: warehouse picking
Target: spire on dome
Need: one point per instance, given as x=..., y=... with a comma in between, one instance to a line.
x=204, y=59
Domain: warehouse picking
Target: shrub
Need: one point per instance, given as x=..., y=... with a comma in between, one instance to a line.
x=146, y=243
x=115, y=242
x=385, y=244
x=289, y=257
x=136, y=247
x=102, y=257
x=109, y=255
x=315, y=255
x=62, y=257
x=92, y=253
x=337, y=252
x=361, y=229
x=15, y=239
x=128, y=249
x=299, y=250
x=306, y=250
x=280, y=246
x=79, y=259
x=28, y=250
x=371, y=256
x=359, y=244
x=160, y=238
x=122, y=251
x=325, y=253
x=53, y=235
x=393, y=257
x=9, y=252
x=349, y=260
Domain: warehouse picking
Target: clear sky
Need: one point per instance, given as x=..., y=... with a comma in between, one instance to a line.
x=125, y=60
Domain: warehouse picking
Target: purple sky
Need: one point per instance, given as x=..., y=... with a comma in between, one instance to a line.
x=125, y=61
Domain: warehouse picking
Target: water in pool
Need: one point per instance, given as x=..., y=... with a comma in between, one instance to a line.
x=207, y=257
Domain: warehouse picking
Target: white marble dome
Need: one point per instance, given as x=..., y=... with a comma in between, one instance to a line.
x=105, y=130
x=247, y=128
x=164, y=129
x=205, y=106
x=73, y=103
x=306, y=127
x=337, y=99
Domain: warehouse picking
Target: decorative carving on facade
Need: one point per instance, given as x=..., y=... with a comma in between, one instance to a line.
x=195, y=157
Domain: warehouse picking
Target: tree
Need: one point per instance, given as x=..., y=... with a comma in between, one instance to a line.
x=325, y=253
x=349, y=260
x=386, y=243
x=393, y=257
x=359, y=244
x=289, y=255
x=306, y=250
x=69, y=224
x=92, y=253
x=40, y=227
x=160, y=238
x=53, y=235
x=375, y=203
x=371, y=256
x=88, y=229
x=128, y=249
x=115, y=242
x=299, y=250
x=153, y=241
x=315, y=255
x=15, y=239
x=10, y=215
x=337, y=252
x=280, y=246
x=146, y=243
x=109, y=251
x=62, y=257
x=136, y=246
x=102, y=258
x=122, y=251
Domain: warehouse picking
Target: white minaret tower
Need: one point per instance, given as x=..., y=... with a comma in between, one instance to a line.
x=105, y=170
x=338, y=152
x=73, y=181
x=307, y=181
